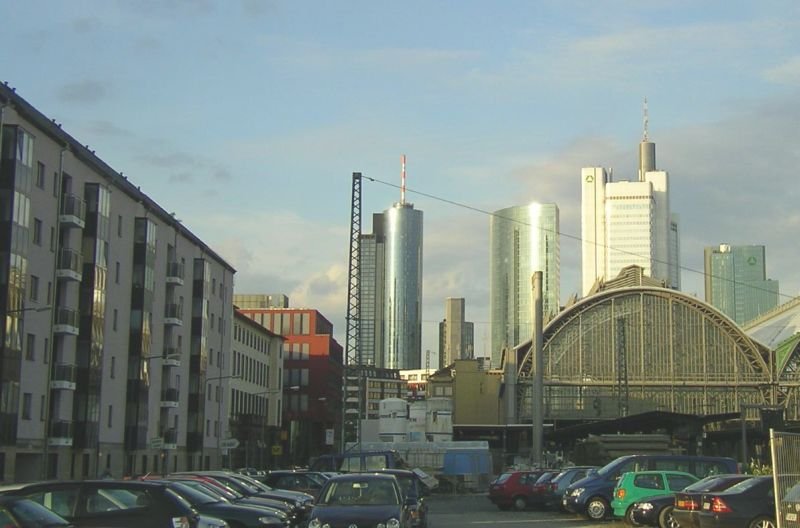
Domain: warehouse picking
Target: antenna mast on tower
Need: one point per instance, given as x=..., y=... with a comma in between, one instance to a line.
x=403, y=179
x=646, y=119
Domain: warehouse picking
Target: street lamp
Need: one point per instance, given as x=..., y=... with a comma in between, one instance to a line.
x=220, y=397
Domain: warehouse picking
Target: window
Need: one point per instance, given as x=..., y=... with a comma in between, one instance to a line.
x=116, y=273
x=49, y=292
x=55, y=184
x=110, y=415
x=113, y=366
x=37, y=231
x=52, y=239
x=34, y=288
x=119, y=226
x=114, y=319
x=30, y=347
x=41, y=408
x=649, y=482
x=40, y=175
x=214, y=286
x=26, y=406
x=46, y=349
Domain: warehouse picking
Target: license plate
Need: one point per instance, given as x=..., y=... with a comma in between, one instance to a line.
x=706, y=505
x=791, y=516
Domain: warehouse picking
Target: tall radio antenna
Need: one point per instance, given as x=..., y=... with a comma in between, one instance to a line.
x=646, y=119
x=403, y=179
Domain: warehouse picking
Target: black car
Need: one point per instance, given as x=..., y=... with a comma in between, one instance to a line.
x=113, y=503
x=654, y=511
x=748, y=504
x=239, y=515
x=361, y=499
x=226, y=494
x=688, y=501
x=16, y=512
x=414, y=492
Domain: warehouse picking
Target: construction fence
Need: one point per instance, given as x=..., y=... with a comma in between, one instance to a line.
x=785, y=451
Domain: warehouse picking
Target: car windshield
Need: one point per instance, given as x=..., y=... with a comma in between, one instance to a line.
x=712, y=482
x=745, y=485
x=502, y=478
x=252, y=485
x=372, y=492
x=319, y=479
x=32, y=512
x=407, y=485
x=194, y=496
x=222, y=494
x=545, y=477
x=611, y=467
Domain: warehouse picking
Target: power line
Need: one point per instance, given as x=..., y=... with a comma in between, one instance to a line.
x=568, y=235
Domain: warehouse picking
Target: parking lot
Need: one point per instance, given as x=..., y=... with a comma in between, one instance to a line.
x=451, y=511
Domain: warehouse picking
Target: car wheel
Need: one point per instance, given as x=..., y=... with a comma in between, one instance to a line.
x=629, y=517
x=762, y=522
x=666, y=520
x=597, y=508
x=520, y=503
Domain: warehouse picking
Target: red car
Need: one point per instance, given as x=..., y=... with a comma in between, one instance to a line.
x=513, y=489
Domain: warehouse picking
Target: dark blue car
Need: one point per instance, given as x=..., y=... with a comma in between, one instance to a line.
x=362, y=500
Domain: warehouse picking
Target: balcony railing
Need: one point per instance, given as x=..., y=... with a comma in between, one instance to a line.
x=67, y=321
x=73, y=211
x=173, y=314
x=60, y=433
x=64, y=376
x=172, y=357
x=175, y=273
x=170, y=398
x=70, y=264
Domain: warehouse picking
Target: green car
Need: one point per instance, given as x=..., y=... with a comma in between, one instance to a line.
x=637, y=486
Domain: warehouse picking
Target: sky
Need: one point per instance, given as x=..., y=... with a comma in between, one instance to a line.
x=247, y=118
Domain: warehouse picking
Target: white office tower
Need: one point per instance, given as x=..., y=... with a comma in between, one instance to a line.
x=628, y=222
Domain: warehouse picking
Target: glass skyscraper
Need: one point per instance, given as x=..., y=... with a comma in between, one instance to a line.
x=523, y=239
x=736, y=283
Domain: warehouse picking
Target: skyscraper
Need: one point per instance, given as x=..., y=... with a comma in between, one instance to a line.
x=456, y=336
x=628, y=222
x=523, y=239
x=390, y=283
x=736, y=283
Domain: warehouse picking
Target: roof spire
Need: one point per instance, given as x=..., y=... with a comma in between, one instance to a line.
x=646, y=120
x=403, y=179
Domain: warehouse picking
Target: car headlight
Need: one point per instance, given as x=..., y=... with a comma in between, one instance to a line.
x=577, y=491
x=391, y=523
x=646, y=506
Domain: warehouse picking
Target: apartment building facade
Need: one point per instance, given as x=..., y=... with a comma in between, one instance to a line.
x=117, y=318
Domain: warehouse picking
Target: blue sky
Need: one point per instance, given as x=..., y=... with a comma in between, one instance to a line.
x=247, y=118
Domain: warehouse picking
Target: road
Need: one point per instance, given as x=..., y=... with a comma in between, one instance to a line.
x=475, y=510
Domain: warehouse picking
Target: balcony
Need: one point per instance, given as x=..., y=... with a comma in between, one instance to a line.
x=73, y=211
x=170, y=399
x=67, y=321
x=170, y=439
x=173, y=314
x=175, y=273
x=64, y=376
x=60, y=433
x=69, y=265
x=172, y=357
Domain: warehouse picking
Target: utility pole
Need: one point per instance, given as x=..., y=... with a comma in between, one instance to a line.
x=537, y=374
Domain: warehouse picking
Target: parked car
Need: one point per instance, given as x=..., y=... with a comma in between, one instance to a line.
x=116, y=504
x=296, y=480
x=16, y=512
x=592, y=495
x=748, y=504
x=790, y=507
x=512, y=489
x=688, y=502
x=226, y=494
x=653, y=511
x=239, y=515
x=361, y=499
x=555, y=492
x=302, y=502
x=414, y=492
x=539, y=490
x=251, y=472
x=635, y=486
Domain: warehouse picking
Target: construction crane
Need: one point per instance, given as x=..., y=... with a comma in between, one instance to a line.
x=351, y=373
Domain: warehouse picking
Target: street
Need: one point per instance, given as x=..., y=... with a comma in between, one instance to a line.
x=453, y=511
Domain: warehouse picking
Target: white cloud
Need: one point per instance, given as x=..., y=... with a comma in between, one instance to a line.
x=788, y=72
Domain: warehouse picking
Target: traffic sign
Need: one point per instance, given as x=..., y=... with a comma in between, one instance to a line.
x=277, y=450
x=229, y=443
x=156, y=442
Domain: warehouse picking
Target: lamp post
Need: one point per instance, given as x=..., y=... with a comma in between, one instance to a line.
x=220, y=397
